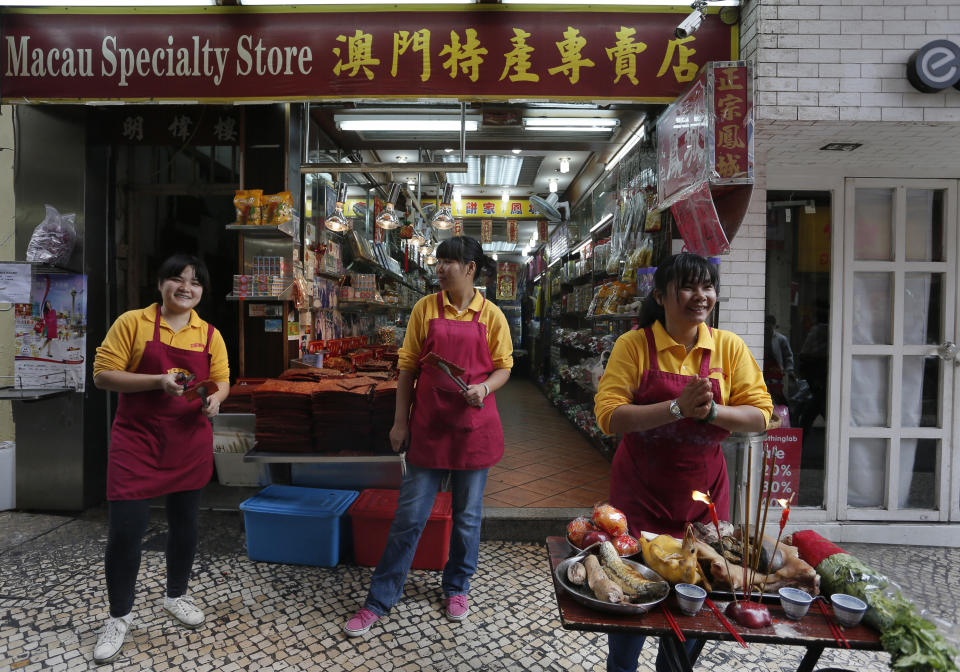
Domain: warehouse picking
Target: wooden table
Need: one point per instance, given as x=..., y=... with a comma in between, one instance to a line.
x=812, y=632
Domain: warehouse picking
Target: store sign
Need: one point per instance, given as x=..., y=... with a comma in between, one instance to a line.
x=705, y=156
x=489, y=207
x=242, y=54
x=935, y=66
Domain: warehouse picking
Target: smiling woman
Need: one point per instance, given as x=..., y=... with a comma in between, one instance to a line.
x=675, y=388
x=161, y=443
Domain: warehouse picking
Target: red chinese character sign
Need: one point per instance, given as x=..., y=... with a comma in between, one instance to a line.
x=229, y=54
x=705, y=156
x=513, y=231
x=486, y=231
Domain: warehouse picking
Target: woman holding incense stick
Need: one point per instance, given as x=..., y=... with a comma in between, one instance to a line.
x=674, y=389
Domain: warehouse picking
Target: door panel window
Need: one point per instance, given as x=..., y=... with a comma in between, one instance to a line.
x=867, y=472
x=870, y=393
x=924, y=222
x=874, y=224
x=872, y=308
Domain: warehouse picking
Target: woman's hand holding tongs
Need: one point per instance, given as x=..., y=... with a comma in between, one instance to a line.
x=475, y=394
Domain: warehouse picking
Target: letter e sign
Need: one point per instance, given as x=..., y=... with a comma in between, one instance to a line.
x=935, y=66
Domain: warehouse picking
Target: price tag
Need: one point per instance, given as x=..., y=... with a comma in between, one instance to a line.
x=787, y=444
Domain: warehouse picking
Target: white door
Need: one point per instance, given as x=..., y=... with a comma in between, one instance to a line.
x=898, y=359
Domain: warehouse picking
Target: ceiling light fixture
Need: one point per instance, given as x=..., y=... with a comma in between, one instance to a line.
x=571, y=124
x=516, y=151
x=506, y=196
x=603, y=220
x=472, y=176
x=502, y=171
x=553, y=186
x=401, y=159
x=443, y=217
x=625, y=149
x=388, y=218
x=338, y=221
x=435, y=123
x=564, y=165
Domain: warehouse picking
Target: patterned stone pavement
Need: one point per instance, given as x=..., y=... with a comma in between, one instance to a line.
x=282, y=617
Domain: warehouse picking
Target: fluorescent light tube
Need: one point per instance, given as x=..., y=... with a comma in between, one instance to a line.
x=570, y=124
x=554, y=262
x=603, y=220
x=627, y=146
x=406, y=123
x=502, y=171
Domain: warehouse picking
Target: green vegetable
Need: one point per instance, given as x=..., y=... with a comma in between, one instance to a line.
x=913, y=642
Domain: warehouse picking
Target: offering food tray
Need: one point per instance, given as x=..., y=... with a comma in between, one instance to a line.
x=584, y=596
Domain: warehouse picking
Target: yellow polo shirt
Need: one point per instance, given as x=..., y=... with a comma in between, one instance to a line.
x=498, y=331
x=741, y=381
x=123, y=346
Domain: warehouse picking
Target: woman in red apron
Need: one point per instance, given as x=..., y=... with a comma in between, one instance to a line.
x=674, y=389
x=446, y=429
x=161, y=444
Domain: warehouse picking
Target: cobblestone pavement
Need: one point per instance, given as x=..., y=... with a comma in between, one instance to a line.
x=283, y=617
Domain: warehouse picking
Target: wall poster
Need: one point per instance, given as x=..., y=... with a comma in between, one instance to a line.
x=51, y=334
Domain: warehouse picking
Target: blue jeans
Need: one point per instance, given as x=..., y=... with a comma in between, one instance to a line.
x=624, y=653
x=417, y=492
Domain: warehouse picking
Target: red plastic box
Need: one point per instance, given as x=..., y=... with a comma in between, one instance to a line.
x=371, y=515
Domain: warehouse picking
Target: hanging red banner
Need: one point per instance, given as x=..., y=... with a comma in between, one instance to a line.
x=486, y=230
x=458, y=227
x=543, y=227
x=482, y=51
x=513, y=231
x=507, y=281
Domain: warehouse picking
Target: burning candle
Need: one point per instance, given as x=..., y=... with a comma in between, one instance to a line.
x=784, y=517
x=698, y=496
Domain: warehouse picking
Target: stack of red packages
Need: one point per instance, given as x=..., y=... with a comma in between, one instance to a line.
x=341, y=416
x=311, y=375
x=241, y=396
x=284, y=411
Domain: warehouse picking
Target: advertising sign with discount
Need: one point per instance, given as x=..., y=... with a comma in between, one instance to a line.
x=786, y=445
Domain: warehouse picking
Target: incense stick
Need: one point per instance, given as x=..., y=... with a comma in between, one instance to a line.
x=746, y=512
x=757, y=532
x=766, y=507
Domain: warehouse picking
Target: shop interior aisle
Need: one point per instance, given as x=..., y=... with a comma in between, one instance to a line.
x=546, y=461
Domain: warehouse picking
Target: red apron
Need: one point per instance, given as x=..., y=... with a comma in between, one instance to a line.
x=445, y=431
x=161, y=444
x=655, y=471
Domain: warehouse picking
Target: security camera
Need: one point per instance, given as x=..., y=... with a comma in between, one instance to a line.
x=690, y=24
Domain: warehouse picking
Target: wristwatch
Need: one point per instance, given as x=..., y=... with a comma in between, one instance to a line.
x=675, y=409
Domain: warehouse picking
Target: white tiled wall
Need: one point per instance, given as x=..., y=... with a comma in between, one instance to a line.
x=846, y=59
x=743, y=273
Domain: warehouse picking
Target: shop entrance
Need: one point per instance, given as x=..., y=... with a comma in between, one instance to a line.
x=897, y=457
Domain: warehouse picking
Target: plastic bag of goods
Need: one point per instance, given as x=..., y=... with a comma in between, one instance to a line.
x=53, y=240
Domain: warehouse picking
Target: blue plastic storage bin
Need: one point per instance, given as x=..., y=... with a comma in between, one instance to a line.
x=300, y=526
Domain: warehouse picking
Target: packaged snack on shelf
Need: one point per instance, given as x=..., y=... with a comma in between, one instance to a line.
x=247, y=203
x=276, y=209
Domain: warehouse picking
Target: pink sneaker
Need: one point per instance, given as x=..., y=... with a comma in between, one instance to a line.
x=360, y=623
x=457, y=607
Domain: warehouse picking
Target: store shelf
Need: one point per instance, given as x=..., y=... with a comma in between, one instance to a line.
x=618, y=316
x=357, y=306
x=257, y=299
x=256, y=231
x=311, y=458
x=34, y=394
x=329, y=276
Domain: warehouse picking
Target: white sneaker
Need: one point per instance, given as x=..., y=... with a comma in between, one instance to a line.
x=184, y=610
x=111, y=638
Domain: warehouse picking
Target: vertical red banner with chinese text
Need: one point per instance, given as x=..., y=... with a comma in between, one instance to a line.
x=486, y=230
x=513, y=231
